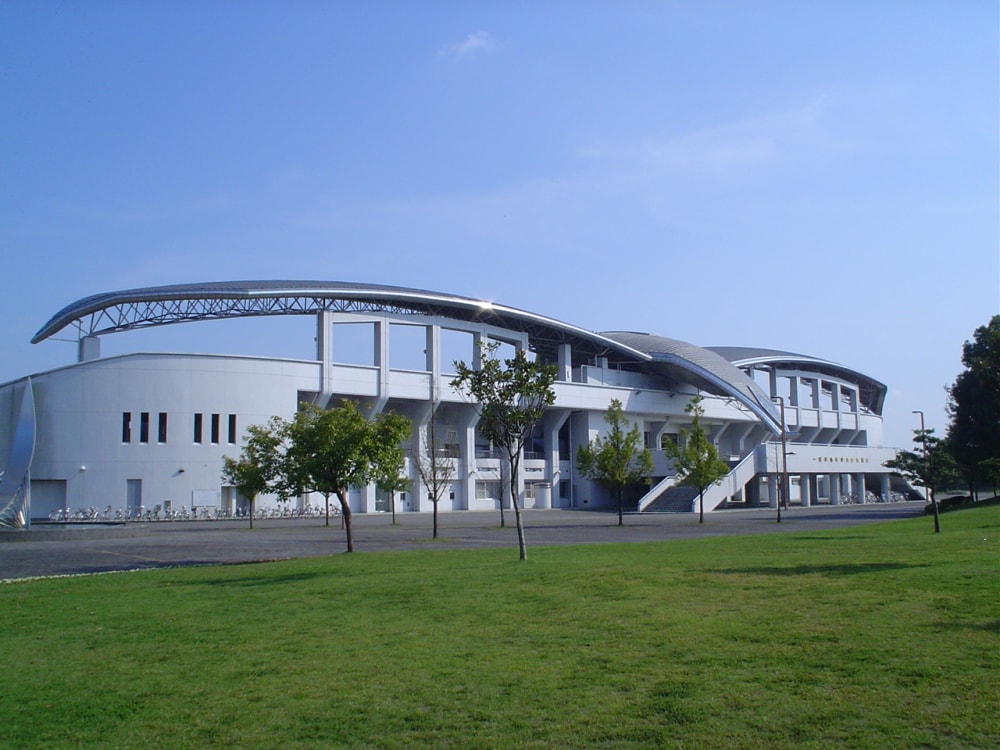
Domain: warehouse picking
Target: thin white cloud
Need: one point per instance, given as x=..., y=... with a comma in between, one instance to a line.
x=475, y=44
x=752, y=141
x=746, y=143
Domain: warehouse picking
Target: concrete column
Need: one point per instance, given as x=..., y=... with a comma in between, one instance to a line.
x=88, y=348
x=859, y=487
x=835, y=489
x=432, y=352
x=324, y=350
x=367, y=498
x=805, y=490
x=772, y=490
x=565, y=354
x=466, y=475
x=885, y=488
x=552, y=423
x=793, y=390
x=813, y=481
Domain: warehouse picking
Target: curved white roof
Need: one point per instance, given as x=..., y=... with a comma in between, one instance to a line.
x=162, y=305
x=872, y=392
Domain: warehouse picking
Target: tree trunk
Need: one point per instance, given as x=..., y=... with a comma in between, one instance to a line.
x=435, y=518
x=701, y=506
x=503, y=523
x=326, y=498
x=621, y=491
x=934, y=506
x=345, y=511
x=522, y=547
x=392, y=504
x=251, y=512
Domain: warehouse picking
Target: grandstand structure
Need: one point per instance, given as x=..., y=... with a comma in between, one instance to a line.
x=144, y=430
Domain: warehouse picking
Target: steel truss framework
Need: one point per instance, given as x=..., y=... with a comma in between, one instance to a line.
x=156, y=306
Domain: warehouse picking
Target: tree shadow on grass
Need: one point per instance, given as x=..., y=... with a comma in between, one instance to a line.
x=253, y=581
x=834, y=569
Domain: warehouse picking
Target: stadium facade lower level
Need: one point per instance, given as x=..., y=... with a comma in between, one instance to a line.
x=145, y=433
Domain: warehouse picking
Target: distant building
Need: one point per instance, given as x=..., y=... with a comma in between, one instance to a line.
x=146, y=431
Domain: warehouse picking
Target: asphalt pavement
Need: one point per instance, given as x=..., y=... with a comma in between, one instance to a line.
x=85, y=549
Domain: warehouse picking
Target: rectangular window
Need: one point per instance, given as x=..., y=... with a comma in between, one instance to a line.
x=126, y=427
x=232, y=430
x=215, y=428
x=144, y=427
x=197, y=427
x=161, y=433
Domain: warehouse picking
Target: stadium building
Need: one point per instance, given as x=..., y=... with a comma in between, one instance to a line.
x=145, y=433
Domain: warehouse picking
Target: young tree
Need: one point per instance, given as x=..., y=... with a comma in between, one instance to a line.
x=511, y=396
x=932, y=468
x=434, y=465
x=695, y=458
x=974, y=403
x=391, y=430
x=619, y=460
x=259, y=468
x=332, y=450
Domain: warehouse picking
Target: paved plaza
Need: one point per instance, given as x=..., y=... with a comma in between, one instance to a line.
x=48, y=552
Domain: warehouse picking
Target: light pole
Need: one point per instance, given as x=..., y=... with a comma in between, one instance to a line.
x=784, y=460
x=928, y=482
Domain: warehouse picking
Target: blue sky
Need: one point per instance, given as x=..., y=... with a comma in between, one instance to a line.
x=816, y=177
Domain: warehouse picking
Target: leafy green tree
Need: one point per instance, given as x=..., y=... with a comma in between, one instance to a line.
x=332, y=450
x=695, y=458
x=974, y=403
x=932, y=468
x=260, y=467
x=618, y=460
x=434, y=466
x=511, y=396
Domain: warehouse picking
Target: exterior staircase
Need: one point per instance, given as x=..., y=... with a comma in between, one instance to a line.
x=669, y=497
x=676, y=499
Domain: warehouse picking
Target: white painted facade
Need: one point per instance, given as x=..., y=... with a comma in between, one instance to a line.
x=150, y=429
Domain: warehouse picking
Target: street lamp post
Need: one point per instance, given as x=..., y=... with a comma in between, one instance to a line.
x=928, y=482
x=783, y=499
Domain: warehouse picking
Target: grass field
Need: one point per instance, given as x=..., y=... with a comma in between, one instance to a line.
x=881, y=636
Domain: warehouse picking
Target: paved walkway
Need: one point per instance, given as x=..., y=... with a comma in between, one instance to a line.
x=151, y=545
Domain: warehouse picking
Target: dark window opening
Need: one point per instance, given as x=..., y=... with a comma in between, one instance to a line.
x=126, y=427
x=215, y=428
x=144, y=427
x=232, y=430
x=161, y=436
x=197, y=427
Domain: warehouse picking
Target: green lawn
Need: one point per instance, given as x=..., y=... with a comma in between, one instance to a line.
x=880, y=636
